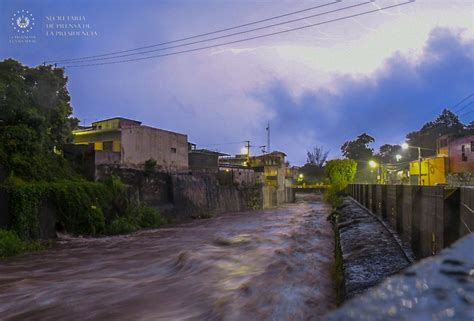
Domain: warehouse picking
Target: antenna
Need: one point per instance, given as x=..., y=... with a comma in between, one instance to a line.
x=248, y=151
x=268, y=137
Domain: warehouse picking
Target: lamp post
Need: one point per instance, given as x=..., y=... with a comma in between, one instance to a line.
x=373, y=164
x=406, y=146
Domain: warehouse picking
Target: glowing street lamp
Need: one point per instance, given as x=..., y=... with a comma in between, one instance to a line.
x=373, y=164
x=398, y=157
x=406, y=146
x=301, y=176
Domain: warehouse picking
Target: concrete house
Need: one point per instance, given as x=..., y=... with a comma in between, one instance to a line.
x=271, y=169
x=128, y=143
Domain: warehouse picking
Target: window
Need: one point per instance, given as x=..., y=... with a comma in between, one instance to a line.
x=472, y=147
x=173, y=150
x=463, y=153
x=108, y=146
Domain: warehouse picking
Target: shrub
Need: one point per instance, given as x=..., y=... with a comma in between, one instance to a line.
x=122, y=225
x=149, y=217
x=150, y=166
x=11, y=244
x=340, y=172
x=331, y=196
x=82, y=207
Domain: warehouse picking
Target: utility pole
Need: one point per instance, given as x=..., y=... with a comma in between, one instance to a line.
x=268, y=138
x=248, y=151
x=419, y=165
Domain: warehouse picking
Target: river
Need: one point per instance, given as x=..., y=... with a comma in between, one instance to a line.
x=259, y=265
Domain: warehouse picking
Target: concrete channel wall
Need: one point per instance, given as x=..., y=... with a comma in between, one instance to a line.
x=428, y=218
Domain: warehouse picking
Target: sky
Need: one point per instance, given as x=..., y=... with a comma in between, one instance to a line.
x=385, y=73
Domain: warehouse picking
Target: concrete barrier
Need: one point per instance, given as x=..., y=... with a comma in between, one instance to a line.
x=429, y=218
x=466, y=220
x=381, y=199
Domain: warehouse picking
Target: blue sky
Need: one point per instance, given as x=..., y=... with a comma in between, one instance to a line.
x=385, y=74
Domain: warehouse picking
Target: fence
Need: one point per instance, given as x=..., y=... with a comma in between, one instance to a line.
x=428, y=218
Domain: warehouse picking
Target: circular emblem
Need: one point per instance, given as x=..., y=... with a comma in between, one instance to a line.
x=23, y=21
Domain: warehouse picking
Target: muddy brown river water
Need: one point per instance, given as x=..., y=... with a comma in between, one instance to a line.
x=260, y=265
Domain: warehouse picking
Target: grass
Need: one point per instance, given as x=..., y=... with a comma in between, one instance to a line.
x=337, y=269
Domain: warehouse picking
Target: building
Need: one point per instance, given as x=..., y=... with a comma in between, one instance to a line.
x=204, y=160
x=433, y=170
x=461, y=154
x=271, y=170
x=128, y=143
x=455, y=158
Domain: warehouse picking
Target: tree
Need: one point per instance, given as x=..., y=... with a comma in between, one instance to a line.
x=341, y=172
x=358, y=149
x=446, y=123
x=35, y=119
x=317, y=157
x=387, y=153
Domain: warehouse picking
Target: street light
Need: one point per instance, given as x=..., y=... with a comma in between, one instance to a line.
x=406, y=146
x=372, y=164
x=301, y=176
x=398, y=157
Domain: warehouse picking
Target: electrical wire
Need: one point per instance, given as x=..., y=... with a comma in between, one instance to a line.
x=463, y=100
x=196, y=36
x=223, y=36
x=245, y=39
x=464, y=107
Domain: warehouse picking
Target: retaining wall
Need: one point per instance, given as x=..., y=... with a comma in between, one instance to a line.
x=429, y=218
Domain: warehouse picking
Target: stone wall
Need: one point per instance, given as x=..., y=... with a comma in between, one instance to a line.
x=187, y=195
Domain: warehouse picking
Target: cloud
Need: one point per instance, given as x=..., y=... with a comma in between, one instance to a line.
x=396, y=98
x=318, y=86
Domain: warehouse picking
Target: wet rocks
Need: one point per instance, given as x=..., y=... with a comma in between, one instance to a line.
x=369, y=252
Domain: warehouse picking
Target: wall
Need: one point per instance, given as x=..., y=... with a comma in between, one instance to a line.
x=437, y=288
x=460, y=179
x=433, y=170
x=238, y=175
x=203, y=161
x=169, y=149
x=457, y=163
x=428, y=218
x=466, y=216
x=187, y=195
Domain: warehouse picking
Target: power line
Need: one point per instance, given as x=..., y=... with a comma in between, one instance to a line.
x=466, y=113
x=223, y=36
x=463, y=100
x=245, y=39
x=464, y=107
x=199, y=35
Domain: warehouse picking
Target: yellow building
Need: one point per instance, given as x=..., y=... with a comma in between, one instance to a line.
x=433, y=170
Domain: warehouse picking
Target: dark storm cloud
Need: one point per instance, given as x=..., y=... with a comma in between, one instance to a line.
x=396, y=99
